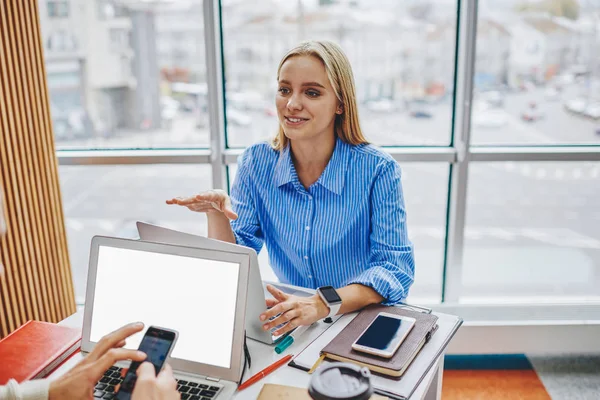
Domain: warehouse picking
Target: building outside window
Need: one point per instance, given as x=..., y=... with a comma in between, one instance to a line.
x=515, y=180
x=58, y=8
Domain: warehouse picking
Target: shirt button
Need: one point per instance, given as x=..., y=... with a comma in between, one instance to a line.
x=310, y=277
x=306, y=257
x=307, y=228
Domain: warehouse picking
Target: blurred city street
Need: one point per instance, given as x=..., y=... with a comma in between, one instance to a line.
x=547, y=215
x=133, y=75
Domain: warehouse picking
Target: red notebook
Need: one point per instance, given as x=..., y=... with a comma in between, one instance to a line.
x=36, y=349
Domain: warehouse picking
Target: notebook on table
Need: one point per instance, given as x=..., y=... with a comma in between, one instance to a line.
x=340, y=348
x=36, y=349
x=420, y=367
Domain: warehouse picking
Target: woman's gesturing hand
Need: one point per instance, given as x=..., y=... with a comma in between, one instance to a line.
x=294, y=310
x=208, y=202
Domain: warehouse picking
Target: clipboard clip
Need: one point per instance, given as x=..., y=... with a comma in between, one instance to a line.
x=415, y=308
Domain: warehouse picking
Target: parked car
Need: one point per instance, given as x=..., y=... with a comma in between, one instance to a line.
x=494, y=98
x=237, y=117
x=592, y=110
x=421, y=114
x=383, y=105
x=490, y=118
x=575, y=105
x=552, y=94
x=532, y=114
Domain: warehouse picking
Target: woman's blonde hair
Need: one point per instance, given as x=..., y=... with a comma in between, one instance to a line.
x=339, y=72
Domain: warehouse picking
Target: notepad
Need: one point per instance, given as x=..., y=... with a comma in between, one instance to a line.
x=340, y=348
x=396, y=389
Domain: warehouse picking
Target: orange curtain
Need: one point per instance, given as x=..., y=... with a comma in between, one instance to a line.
x=37, y=283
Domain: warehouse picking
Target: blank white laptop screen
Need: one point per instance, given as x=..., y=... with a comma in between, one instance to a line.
x=196, y=297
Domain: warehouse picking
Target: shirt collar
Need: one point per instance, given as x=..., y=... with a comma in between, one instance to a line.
x=284, y=167
x=332, y=178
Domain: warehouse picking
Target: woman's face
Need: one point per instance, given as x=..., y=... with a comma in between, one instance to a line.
x=306, y=102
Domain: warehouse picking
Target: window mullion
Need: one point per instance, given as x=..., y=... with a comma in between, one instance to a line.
x=459, y=172
x=216, y=106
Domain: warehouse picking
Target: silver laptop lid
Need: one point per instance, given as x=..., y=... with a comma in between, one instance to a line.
x=256, y=303
x=200, y=293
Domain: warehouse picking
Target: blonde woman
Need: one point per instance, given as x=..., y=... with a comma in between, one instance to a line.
x=328, y=205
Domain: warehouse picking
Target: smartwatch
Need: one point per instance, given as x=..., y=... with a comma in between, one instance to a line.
x=331, y=299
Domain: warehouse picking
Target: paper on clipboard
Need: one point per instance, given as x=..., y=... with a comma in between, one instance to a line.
x=403, y=388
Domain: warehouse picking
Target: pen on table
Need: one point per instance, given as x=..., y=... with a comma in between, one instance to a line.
x=257, y=377
x=289, y=339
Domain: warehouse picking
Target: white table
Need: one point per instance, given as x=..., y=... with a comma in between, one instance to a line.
x=263, y=355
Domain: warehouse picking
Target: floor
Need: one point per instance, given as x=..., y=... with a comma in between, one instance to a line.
x=491, y=377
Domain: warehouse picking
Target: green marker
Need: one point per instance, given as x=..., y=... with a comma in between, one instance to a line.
x=289, y=339
x=284, y=344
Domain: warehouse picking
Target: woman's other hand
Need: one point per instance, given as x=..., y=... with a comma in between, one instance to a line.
x=211, y=201
x=294, y=310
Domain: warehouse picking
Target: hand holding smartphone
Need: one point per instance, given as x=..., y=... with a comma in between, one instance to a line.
x=384, y=335
x=157, y=343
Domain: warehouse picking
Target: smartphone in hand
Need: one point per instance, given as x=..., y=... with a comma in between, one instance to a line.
x=157, y=343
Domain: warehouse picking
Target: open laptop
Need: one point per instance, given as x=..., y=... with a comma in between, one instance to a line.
x=256, y=303
x=200, y=293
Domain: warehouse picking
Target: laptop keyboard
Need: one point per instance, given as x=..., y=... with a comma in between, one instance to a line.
x=105, y=388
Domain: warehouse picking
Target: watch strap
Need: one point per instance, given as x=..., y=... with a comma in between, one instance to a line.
x=333, y=309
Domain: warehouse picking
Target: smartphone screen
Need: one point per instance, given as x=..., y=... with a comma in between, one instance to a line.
x=157, y=344
x=385, y=333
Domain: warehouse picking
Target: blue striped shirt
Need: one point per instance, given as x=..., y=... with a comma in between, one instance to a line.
x=348, y=227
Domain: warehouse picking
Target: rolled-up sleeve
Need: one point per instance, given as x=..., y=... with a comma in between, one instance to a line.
x=246, y=228
x=30, y=390
x=391, y=268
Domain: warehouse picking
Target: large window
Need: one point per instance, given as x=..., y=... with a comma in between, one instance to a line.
x=142, y=82
x=402, y=55
x=537, y=76
x=490, y=107
x=533, y=232
x=109, y=200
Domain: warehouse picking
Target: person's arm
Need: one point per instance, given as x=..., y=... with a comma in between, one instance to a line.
x=240, y=226
x=391, y=268
x=246, y=228
x=306, y=310
x=217, y=206
x=219, y=226
x=30, y=390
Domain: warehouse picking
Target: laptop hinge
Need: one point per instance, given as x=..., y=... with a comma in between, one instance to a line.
x=208, y=378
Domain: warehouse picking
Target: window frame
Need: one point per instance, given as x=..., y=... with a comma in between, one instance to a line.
x=459, y=154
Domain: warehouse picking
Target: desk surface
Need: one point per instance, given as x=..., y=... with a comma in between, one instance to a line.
x=262, y=356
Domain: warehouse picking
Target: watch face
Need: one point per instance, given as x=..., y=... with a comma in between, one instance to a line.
x=330, y=294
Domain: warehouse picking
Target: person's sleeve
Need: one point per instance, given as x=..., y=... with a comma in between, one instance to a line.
x=30, y=390
x=391, y=268
x=246, y=228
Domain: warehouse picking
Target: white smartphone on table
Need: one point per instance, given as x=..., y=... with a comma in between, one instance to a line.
x=384, y=335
